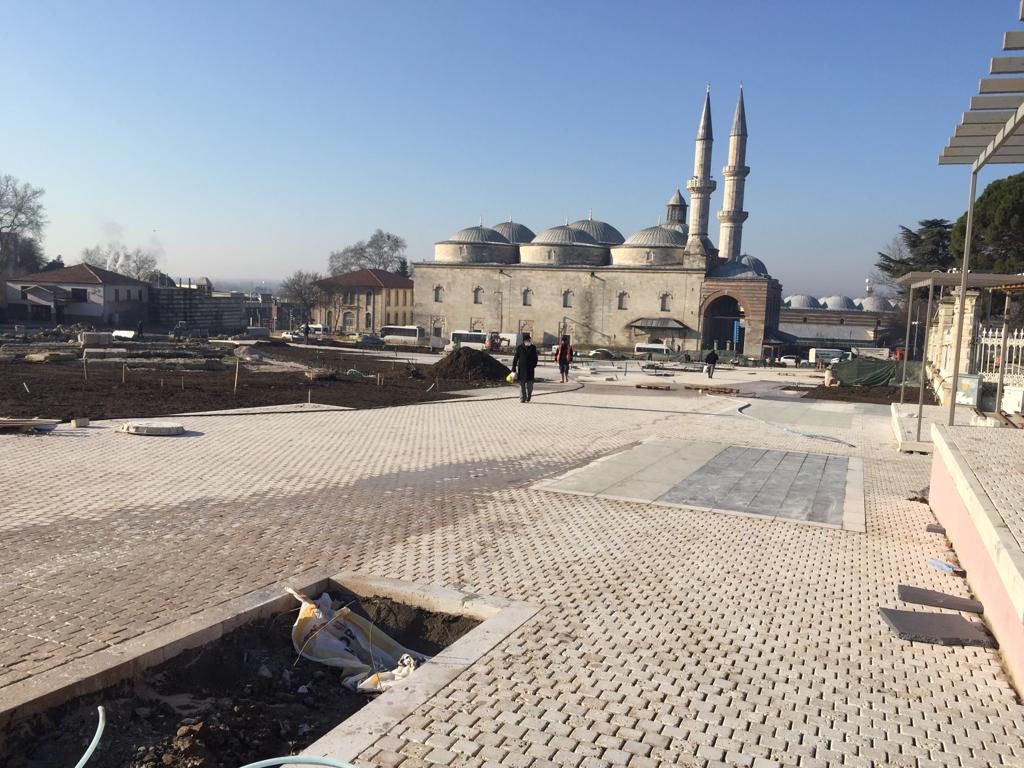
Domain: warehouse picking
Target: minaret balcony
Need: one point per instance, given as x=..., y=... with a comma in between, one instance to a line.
x=736, y=170
x=701, y=186
x=732, y=217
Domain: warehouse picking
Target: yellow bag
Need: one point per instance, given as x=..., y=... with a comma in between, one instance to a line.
x=511, y=378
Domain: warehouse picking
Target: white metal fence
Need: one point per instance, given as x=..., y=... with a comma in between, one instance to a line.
x=986, y=355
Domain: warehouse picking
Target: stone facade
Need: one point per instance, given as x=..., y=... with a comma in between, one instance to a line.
x=364, y=302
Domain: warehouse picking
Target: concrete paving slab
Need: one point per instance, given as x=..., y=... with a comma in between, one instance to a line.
x=937, y=628
x=909, y=594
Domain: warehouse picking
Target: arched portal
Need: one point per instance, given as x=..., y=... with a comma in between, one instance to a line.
x=723, y=326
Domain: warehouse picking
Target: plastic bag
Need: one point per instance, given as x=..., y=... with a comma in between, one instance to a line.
x=338, y=637
x=511, y=378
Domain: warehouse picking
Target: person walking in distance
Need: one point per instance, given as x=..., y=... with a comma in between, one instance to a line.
x=563, y=356
x=524, y=365
x=710, y=362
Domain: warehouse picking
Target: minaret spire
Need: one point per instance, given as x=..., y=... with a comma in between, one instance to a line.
x=701, y=185
x=735, y=173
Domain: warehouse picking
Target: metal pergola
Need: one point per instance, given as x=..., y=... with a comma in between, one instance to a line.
x=915, y=280
x=989, y=133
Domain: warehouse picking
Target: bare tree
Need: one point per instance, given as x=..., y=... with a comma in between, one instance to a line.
x=22, y=219
x=135, y=263
x=301, y=289
x=382, y=251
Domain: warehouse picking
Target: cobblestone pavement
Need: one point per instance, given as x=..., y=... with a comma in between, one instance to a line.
x=667, y=636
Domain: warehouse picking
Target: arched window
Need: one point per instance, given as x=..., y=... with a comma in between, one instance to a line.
x=623, y=300
x=369, y=321
x=567, y=298
x=665, y=302
x=438, y=294
x=478, y=295
x=527, y=297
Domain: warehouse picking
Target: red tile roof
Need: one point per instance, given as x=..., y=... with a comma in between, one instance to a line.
x=367, y=278
x=79, y=273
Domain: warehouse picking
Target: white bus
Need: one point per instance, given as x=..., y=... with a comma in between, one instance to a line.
x=404, y=334
x=471, y=339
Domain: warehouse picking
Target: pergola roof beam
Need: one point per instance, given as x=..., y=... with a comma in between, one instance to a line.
x=976, y=130
x=981, y=141
x=996, y=102
x=1013, y=41
x=1001, y=85
x=998, y=116
x=1007, y=65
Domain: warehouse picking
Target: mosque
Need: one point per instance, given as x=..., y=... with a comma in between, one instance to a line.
x=667, y=282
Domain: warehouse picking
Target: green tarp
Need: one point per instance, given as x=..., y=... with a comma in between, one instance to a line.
x=870, y=372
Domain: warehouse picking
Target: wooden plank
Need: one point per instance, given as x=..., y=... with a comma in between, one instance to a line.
x=1001, y=85
x=996, y=102
x=663, y=387
x=997, y=116
x=1007, y=65
x=1013, y=41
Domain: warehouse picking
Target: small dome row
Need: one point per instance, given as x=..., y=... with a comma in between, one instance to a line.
x=838, y=303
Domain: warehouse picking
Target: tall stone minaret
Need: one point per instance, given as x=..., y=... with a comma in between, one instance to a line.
x=732, y=214
x=701, y=185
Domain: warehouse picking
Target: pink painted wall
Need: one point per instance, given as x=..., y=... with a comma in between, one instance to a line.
x=949, y=508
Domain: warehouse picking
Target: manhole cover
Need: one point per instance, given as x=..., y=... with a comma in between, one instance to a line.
x=152, y=428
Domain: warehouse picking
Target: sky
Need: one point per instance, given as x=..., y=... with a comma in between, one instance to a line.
x=250, y=139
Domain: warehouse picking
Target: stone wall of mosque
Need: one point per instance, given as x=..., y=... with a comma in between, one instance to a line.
x=476, y=253
x=594, y=305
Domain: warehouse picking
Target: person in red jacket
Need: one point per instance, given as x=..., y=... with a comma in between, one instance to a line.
x=563, y=356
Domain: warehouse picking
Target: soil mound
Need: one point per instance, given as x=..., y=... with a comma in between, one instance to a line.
x=465, y=364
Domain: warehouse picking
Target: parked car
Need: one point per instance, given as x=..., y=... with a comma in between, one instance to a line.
x=792, y=361
x=369, y=340
x=604, y=354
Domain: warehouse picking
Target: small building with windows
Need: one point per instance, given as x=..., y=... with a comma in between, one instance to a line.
x=364, y=301
x=666, y=283
x=78, y=294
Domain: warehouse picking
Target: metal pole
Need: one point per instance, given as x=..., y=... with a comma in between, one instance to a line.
x=924, y=359
x=906, y=343
x=1002, y=354
x=963, y=298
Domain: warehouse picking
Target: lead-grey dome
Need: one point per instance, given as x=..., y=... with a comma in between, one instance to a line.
x=564, y=234
x=744, y=268
x=802, y=301
x=514, y=232
x=837, y=303
x=478, y=235
x=875, y=304
x=602, y=232
x=657, y=237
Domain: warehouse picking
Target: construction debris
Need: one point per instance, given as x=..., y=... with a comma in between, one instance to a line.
x=465, y=364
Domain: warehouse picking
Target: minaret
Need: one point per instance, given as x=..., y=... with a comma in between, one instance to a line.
x=675, y=216
x=732, y=214
x=701, y=185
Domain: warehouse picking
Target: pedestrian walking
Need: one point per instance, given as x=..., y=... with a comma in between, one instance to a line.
x=305, y=332
x=563, y=356
x=138, y=332
x=710, y=362
x=524, y=365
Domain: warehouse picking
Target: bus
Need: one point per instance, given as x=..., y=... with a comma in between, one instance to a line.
x=404, y=334
x=471, y=339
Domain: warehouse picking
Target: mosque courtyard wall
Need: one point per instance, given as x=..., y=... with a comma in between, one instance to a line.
x=597, y=316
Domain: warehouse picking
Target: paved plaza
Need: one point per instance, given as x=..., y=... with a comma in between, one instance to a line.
x=666, y=635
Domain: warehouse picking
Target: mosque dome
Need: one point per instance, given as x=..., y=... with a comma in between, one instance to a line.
x=601, y=232
x=802, y=301
x=838, y=303
x=479, y=234
x=514, y=232
x=744, y=268
x=565, y=234
x=660, y=236
x=677, y=226
x=875, y=304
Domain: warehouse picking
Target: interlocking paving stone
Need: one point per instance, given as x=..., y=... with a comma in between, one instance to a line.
x=713, y=631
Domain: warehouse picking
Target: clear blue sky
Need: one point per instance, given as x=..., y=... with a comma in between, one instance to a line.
x=250, y=139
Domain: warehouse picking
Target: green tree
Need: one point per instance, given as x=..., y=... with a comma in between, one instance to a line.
x=919, y=250
x=998, y=236
x=402, y=268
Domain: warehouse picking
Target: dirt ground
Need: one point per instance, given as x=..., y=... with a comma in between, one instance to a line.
x=60, y=391
x=245, y=697
x=877, y=395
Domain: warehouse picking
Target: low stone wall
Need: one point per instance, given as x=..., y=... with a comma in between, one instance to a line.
x=984, y=545
x=216, y=314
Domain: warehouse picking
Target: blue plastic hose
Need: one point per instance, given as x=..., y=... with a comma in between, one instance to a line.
x=95, y=739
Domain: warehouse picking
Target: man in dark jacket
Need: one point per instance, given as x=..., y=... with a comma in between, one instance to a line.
x=711, y=360
x=524, y=365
